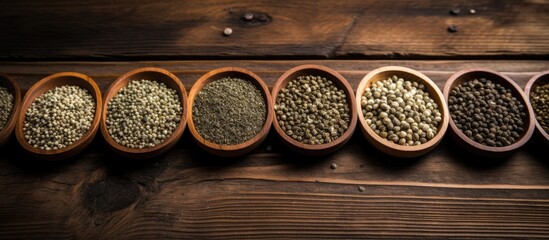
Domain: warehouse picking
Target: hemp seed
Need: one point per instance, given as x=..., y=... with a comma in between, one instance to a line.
x=6, y=106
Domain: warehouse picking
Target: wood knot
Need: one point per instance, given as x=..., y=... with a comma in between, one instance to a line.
x=109, y=195
x=252, y=19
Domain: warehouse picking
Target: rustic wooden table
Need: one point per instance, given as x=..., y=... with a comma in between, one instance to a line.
x=272, y=192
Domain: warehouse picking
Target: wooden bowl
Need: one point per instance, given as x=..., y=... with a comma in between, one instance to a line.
x=39, y=88
x=153, y=74
x=12, y=86
x=536, y=80
x=241, y=148
x=385, y=145
x=473, y=146
x=341, y=83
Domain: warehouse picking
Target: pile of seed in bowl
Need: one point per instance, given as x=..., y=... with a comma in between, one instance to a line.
x=59, y=117
x=229, y=111
x=539, y=98
x=487, y=112
x=401, y=111
x=312, y=110
x=6, y=105
x=143, y=114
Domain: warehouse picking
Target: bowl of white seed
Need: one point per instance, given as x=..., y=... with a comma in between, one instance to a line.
x=59, y=116
x=401, y=111
x=229, y=114
x=144, y=113
x=10, y=99
x=314, y=109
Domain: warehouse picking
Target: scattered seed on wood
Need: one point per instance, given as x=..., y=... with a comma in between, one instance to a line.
x=229, y=111
x=487, y=112
x=59, y=117
x=6, y=105
x=333, y=166
x=401, y=111
x=227, y=31
x=143, y=114
x=361, y=188
x=312, y=110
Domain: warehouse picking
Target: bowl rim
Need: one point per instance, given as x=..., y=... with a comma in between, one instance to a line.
x=235, y=149
x=392, y=148
x=484, y=149
x=343, y=84
x=85, y=139
x=527, y=91
x=159, y=148
x=7, y=130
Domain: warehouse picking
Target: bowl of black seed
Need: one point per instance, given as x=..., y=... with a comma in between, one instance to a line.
x=10, y=99
x=59, y=116
x=537, y=92
x=144, y=113
x=314, y=109
x=489, y=112
x=401, y=111
x=229, y=114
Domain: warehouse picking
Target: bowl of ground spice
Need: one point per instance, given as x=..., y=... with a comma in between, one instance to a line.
x=229, y=114
x=401, y=111
x=10, y=99
x=59, y=116
x=144, y=113
x=314, y=109
x=537, y=93
x=489, y=112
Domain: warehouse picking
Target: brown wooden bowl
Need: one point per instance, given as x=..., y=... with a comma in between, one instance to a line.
x=473, y=146
x=241, y=148
x=541, y=78
x=341, y=83
x=39, y=88
x=385, y=145
x=12, y=86
x=152, y=74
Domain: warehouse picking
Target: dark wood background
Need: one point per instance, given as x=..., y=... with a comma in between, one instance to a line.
x=272, y=192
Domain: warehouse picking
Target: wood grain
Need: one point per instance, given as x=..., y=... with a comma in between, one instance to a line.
x=153, y=30
x=271, y=192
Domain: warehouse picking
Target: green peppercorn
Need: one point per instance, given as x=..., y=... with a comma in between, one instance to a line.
x=143, y=114
x=6, y=105
x=402, y=106
x=316, y=105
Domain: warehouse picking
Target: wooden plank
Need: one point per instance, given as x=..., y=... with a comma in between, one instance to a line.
x=153, y=30
x=272, y=193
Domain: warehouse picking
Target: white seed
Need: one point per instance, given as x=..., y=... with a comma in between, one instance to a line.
x=59, y=117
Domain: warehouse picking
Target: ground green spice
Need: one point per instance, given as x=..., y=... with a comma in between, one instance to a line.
x=487, y=112
x=312, y=110
x=229, y=111
x=540, y=103
x=6, y=105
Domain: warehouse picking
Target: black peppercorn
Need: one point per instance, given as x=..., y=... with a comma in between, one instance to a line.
x=487, y=112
